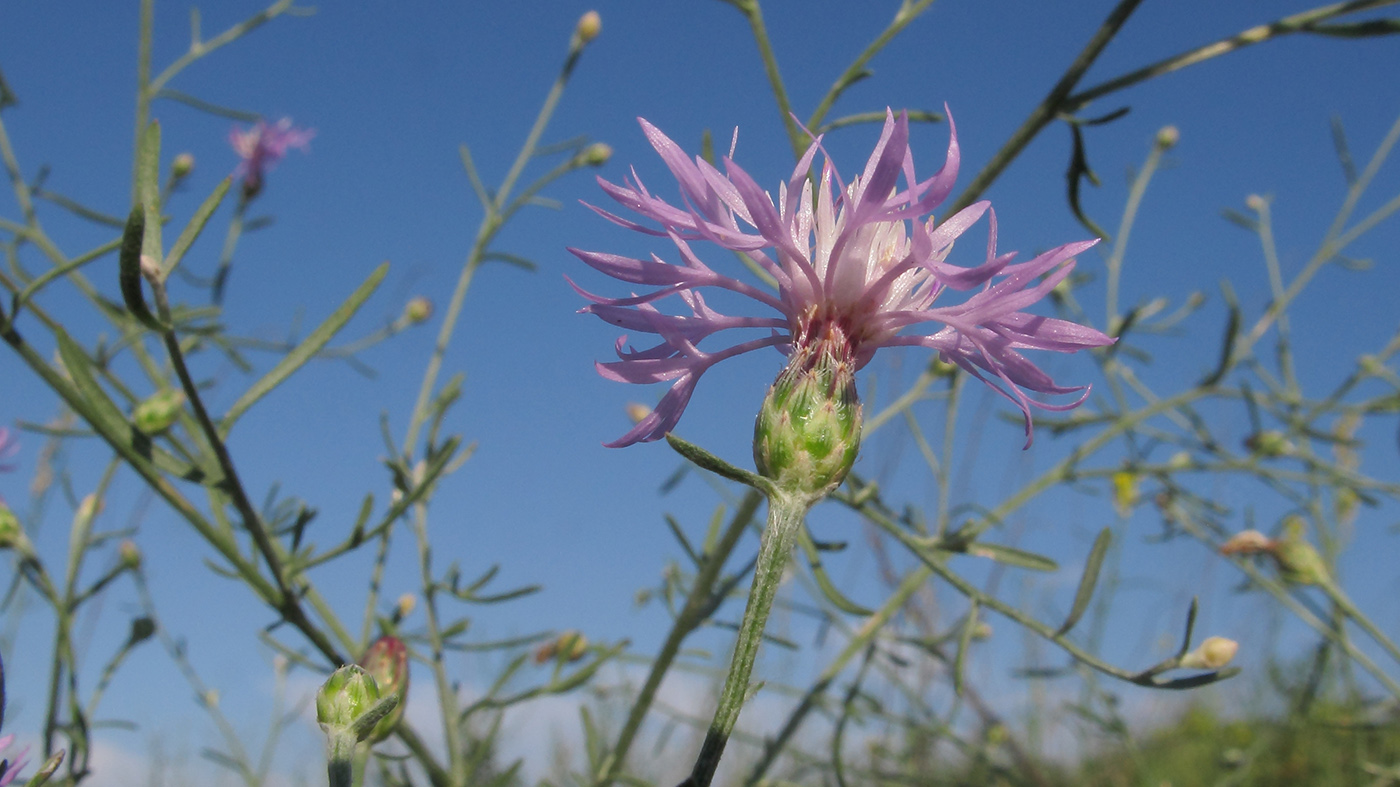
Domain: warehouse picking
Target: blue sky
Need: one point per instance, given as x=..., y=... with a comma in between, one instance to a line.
x=393, y=88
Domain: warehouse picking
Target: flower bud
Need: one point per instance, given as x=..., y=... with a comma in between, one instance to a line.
x=637, y=411
x=130, y=555
x=807, y=433
x=11, y=532
x=588, y=28
x=1247, y=542
x=1256, y=203
x=182, y=166
x=405, y=606
x=597, y=154
x=1298, y=561
x=1167, y=137
x=387, y=662
x=1125, y=492
x=568, y=646
x=347, y=695
x=1181, y=460
x=1269, y=444
x=157, y=413
x=1214, y=653
x=941, y=368
x=417, y=310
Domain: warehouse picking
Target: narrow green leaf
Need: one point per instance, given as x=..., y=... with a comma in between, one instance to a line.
x=1087, y=582
x=1190, y=627
x=104, y=412
x=680, y=536
x=964, y=644
x=828, y=589
x=304, y=351
x=708, y=461
x=130, y=270
x=196, y=226
x=1012, y=556
x=1227, y=349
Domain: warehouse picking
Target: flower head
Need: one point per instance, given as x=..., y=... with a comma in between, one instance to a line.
x=9, y=770
x=856, y=265
x=8, y=448
x=261, y=147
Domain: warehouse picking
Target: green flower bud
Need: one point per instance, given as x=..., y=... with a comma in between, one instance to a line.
x=1125, y=491
x=182, y=166
x=588, y=28
x=1214, y=653
x=1299, y=561
x=387, y=662
x=1269, y=444
x=597, y=154
x=808, y=429
x=130, y=555
x=417, y=310
x=1168, y=136
x=347, y=695
x=157, y=413
x=11, y=532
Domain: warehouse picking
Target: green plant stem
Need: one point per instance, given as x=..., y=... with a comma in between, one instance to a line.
x=340, y=751
x=699, y=605
x=785, y=517
x=858, y=643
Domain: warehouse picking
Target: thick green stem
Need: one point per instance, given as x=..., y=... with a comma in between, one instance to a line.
x=785, y=516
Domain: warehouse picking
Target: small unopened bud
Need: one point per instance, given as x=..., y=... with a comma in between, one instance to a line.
x=568, y=646
x=210, y=698
x=1214, y=653
x=1298, y=561
x=1181, y=460
x=157, y=413
x=130, y=555
x=1255, y=203
x=941, y=368
x=418, y=309
x=588, y=28
x=1167, y=137
x=982, y=631
x=345, y=697
x=1269, y=444
x=597, y=154
x=11, y=532
x=405, y=605
x=1248, y=542
x=637, y=411
x=1125, y=492
x=182, y=166
x=807, y=433
x=387, y=661
x=88, y=508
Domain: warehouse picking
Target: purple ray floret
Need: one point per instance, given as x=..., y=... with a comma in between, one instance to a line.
x=262, y=146
x=866, y=260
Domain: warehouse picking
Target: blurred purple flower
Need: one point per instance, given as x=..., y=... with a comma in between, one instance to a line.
x=861, y=263
x=9, y=771
x=8, y=448
x=261, y=147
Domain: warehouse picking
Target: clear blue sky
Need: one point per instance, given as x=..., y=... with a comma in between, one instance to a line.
x=393, y=88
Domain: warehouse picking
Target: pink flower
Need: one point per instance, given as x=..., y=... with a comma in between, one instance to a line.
x=9, y=771
x=8, y=448
x=856, y=266
x=261, y=147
